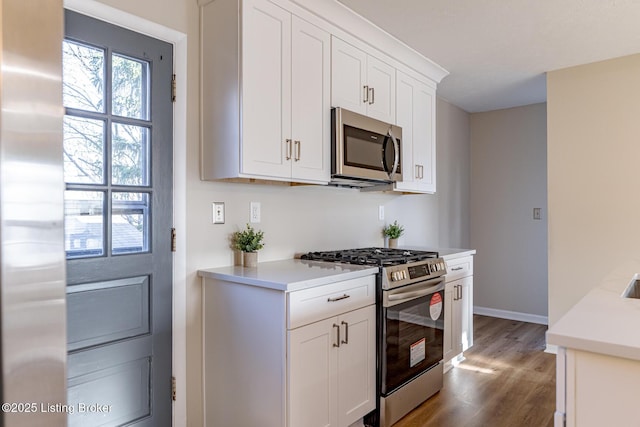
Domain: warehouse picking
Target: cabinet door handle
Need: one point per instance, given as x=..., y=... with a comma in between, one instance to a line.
x=366, y=93
x=421, y=172
x=297, y=157
x=459, y=292
x=456, y=268
x=373, y=95
x=337, y=343
x=288, y=148
x=346, y=333
x=345, y=296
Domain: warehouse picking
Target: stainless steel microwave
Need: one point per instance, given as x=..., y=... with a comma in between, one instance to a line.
x=364, y=151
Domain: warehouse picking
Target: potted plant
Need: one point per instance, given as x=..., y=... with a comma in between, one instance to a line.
x=393, y=231
x=249, y=241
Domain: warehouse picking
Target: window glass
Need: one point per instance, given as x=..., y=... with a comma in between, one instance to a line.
x=82, y=77
x=83, y=223
x=129, y=87
x=129, y=222
x=129, y=155
x=83, y=150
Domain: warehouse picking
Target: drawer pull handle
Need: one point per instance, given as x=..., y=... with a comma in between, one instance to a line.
x=337, y=343
x=345, y=296
x=457, y=268
x=346, y=333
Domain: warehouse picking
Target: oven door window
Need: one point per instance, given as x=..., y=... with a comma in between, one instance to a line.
x=413, y=335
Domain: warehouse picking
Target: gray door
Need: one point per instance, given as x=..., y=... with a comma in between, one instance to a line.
x=118, y=217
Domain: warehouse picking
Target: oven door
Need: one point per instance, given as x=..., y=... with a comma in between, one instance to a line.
x=413, y=332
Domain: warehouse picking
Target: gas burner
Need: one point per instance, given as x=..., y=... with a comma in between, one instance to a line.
x=371, y=256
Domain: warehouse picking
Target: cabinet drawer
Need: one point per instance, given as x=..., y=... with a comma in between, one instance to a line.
x=458, y=268
x=313, y=304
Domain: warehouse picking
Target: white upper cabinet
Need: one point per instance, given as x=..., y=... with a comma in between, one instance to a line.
x=311, y=102
x=266, y=90
x=361, y=82
x=280, y=84
x=416, y=114
x=272, y=70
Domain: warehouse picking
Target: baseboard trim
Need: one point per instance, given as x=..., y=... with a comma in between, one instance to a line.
x=553, y=349
x=511, y=315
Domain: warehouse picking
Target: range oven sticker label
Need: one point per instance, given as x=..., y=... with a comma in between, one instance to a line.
x=418, y=352
x=435, y=306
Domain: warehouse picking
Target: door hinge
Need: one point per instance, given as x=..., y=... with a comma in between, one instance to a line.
x=173, y=240
x=173, y=388
x=173, y=88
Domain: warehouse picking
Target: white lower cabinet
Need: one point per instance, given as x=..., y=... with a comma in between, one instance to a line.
x=304, y=358
x=594, y=389
x=332, y=370
x=458, y=315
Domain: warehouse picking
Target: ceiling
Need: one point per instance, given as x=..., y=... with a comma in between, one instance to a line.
x=497, y=51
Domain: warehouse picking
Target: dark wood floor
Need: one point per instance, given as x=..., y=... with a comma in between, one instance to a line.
x=506, y=381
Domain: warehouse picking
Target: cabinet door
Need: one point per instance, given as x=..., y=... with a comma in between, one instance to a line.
x=416, y=115
x=466, y=312
x=311, y=110
x=405, y=101
x=381, y=79
x=348, y=76
x=312, y=377
x=266, y=89
x=424, y=136
x=449, y=332
x=356, y=365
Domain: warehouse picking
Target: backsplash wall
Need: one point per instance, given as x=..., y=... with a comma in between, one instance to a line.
x=299, y=219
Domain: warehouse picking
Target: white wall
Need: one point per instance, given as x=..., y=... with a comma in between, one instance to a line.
x=453, y=175
x=295, y=219
x=593, y=150
x=508, y=163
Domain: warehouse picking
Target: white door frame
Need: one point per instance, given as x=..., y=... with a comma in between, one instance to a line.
x=135, y=23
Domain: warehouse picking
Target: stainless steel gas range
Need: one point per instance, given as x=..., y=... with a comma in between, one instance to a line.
x=410, y=326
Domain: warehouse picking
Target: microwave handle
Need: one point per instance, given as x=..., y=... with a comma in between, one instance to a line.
x=396, y=156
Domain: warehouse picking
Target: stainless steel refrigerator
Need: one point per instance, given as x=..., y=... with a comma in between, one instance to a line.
x=32, y=257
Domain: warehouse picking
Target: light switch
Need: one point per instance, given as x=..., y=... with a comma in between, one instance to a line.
x=536, y=213
x=218, y=212
x=255, y=212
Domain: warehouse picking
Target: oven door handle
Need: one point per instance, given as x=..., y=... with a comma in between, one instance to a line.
x=399, y=297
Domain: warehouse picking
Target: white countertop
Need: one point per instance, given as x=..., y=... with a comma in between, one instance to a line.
x=602, y=322
x=290, y=274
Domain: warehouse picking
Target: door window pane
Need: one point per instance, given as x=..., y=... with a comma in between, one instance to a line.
x=130, y=155
x=129, y=87
x=83, y=223
x=130, y=222
x=82, y=77
x=83, y=150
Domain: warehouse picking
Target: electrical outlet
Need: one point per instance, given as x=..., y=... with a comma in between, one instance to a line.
x=255, y=212
x=536, y=213
x=381, y=213
x=218, y=212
